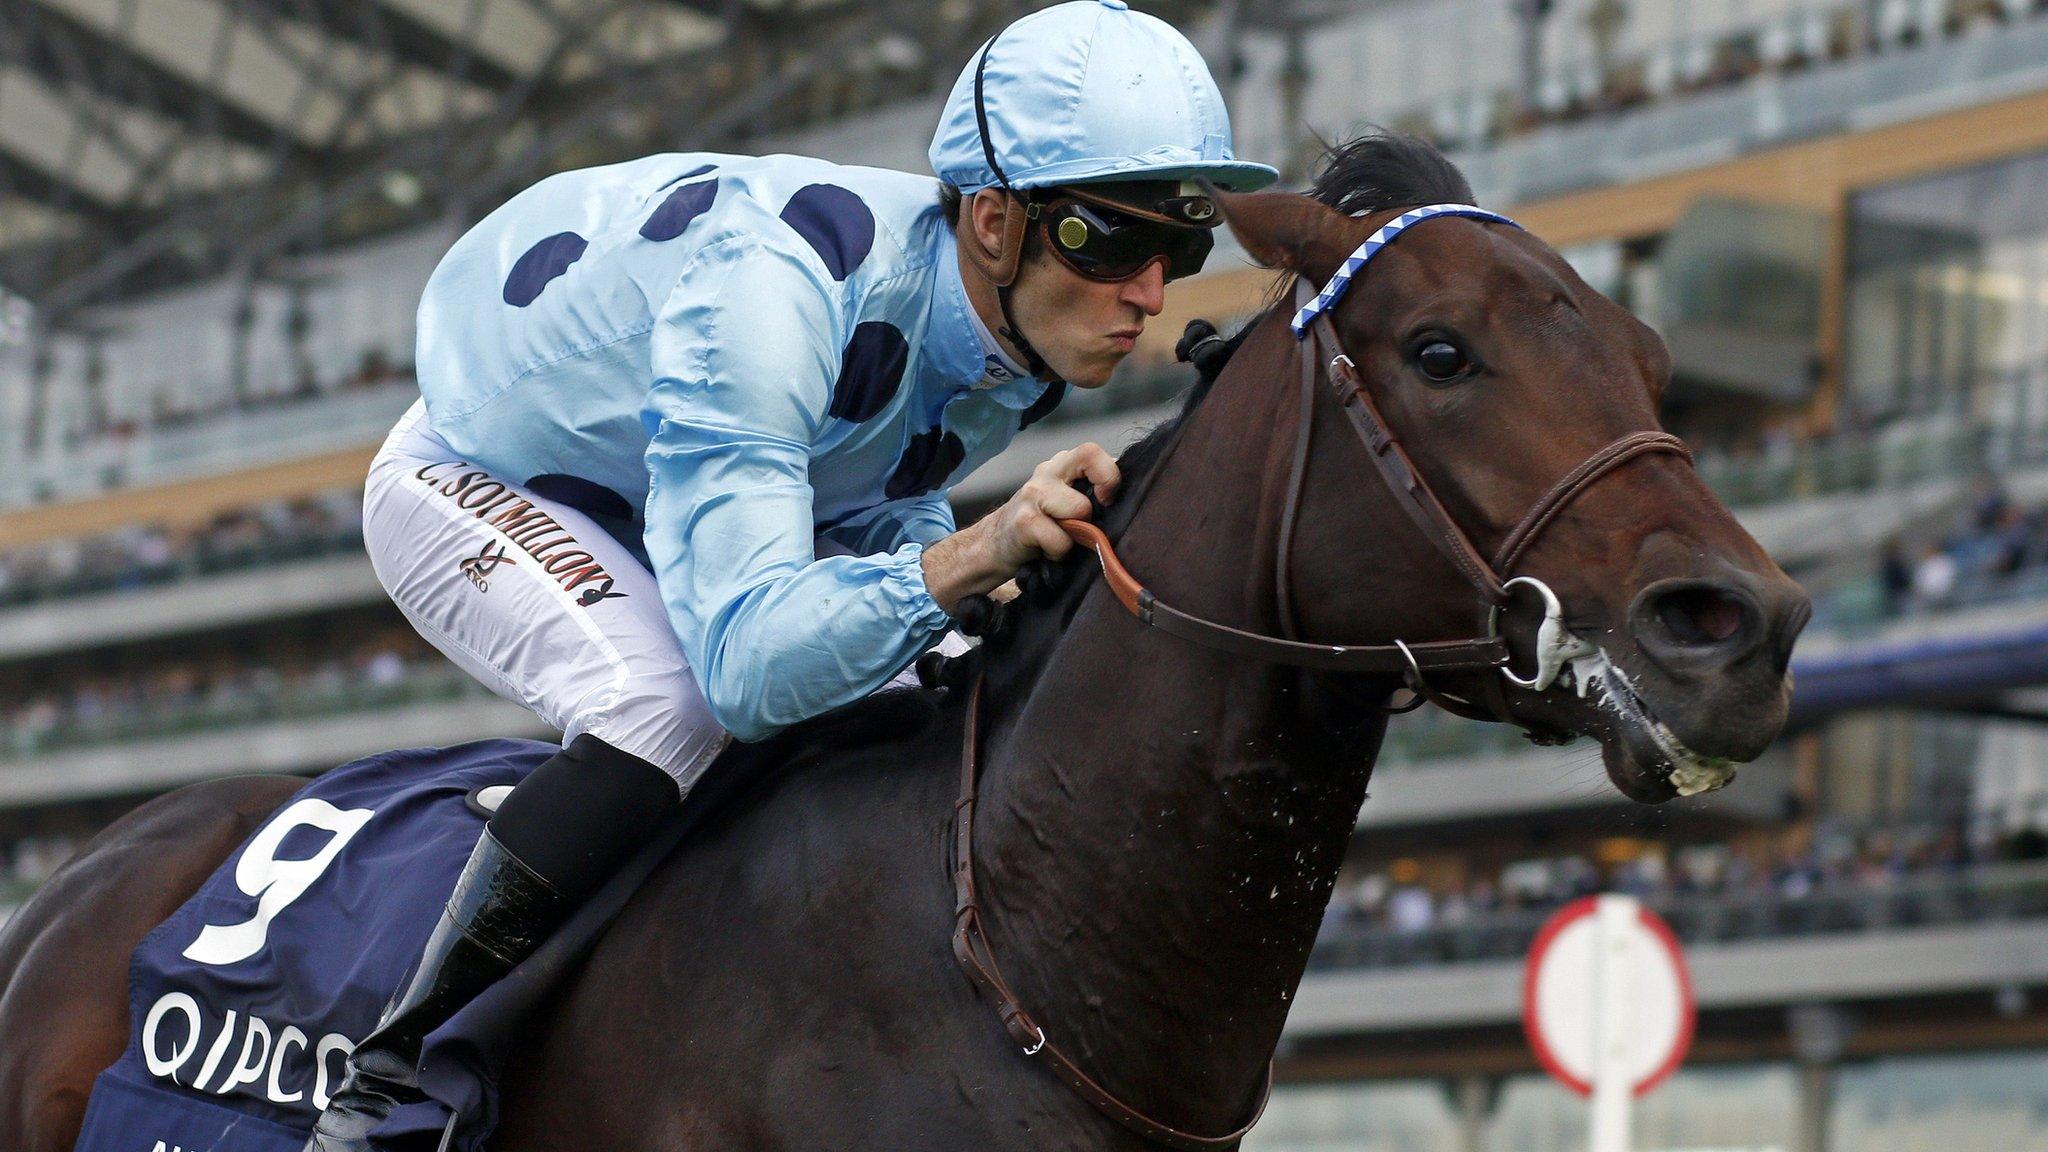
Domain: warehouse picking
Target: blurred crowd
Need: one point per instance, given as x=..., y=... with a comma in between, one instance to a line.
x=1403, y=898
x=1995, y=545
x=29, y=861
x=142, y=555
x=286, y=675
x=171, y=409
x=1784, y=43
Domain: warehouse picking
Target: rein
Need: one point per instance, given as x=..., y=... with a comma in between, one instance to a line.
x=1555, y=645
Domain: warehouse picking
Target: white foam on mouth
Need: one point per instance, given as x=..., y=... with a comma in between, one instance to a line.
x=1691, y=773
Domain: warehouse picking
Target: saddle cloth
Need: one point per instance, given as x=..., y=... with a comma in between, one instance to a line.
x=244, y=1004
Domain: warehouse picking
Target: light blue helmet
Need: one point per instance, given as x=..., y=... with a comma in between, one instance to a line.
x=1088, y=91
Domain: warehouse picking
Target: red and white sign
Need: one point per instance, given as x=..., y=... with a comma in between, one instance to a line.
x=1606, y=996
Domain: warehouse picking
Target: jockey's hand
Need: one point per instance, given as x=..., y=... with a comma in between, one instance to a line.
x=980, y=557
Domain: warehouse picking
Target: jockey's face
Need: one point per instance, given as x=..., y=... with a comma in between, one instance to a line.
x=1082, y=327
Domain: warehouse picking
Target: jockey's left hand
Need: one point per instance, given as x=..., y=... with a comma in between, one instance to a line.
x=985, y=554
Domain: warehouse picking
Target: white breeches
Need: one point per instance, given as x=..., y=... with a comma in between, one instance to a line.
x=538, y=603
x=535, y=600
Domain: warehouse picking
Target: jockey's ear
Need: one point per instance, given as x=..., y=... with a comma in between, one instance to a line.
x=991, y=230
x=1288, y=230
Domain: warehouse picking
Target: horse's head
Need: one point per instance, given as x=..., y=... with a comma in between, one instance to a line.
x=1501, y=371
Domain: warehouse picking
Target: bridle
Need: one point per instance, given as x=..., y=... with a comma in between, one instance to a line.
x=1413, y=662
x=1323, y=356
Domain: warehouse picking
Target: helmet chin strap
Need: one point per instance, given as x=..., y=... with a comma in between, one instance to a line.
x=999, y=269
x=1033, y=362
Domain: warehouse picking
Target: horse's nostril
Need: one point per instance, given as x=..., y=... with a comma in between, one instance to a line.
x=1700, y=615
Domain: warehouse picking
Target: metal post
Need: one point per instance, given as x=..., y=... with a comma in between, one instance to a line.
x=17, y=365
x=1816, y=1106
x=1294, y=77
x=1476, y=1098
x=1820, y=1034
x=1614, y=1015
x=1529, y=14
x=39, y=437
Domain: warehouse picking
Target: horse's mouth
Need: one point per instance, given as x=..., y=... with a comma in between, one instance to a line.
x=1644, y=757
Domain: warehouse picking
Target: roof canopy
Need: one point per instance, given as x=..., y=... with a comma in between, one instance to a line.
x=149, y=142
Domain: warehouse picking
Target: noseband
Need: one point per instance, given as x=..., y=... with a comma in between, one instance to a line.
x=1554, y=644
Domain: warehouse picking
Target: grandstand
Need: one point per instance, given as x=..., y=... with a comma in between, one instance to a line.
x=215, y=219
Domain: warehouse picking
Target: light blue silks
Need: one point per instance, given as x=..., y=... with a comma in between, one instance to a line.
x=751, y=352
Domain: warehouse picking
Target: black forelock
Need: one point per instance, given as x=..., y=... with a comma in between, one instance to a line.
x=1383, y=169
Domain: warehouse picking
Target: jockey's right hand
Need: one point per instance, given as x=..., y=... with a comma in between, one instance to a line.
x=978, y=558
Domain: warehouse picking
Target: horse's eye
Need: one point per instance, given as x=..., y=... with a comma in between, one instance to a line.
x=1441, y=360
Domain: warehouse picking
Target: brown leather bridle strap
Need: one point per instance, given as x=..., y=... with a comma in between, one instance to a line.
x=1576, y=481
x=977, y=959
x=1297, y=480
x=1411, y=491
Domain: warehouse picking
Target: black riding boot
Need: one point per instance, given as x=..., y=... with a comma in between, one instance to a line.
x=499, y=914
x=558, y=836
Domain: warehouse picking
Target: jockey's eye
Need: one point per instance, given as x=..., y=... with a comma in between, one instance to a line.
x=1440, y=360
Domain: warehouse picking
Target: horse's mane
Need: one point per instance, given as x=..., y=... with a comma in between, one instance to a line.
x=1374, y=171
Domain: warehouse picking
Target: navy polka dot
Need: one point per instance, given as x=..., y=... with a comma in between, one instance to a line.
x=1043, y=406
x=870, y=371
x=930, y=459
x=586, y=496
x=835, y=223
x=682, y=206
x=692, y=174
x=540, y=265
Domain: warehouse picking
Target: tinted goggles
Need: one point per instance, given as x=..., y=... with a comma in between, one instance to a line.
x=1104, y=244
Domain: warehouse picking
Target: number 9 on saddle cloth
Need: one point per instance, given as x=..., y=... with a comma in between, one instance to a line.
x=247, y=1000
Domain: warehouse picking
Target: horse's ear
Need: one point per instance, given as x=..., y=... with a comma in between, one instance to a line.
x=1288, y=230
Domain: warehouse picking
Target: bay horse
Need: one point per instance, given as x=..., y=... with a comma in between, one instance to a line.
x=1158, y=823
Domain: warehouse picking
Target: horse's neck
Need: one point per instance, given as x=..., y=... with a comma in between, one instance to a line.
x=1161, y=825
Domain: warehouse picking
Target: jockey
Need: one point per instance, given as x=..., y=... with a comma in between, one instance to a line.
x=679, y=470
